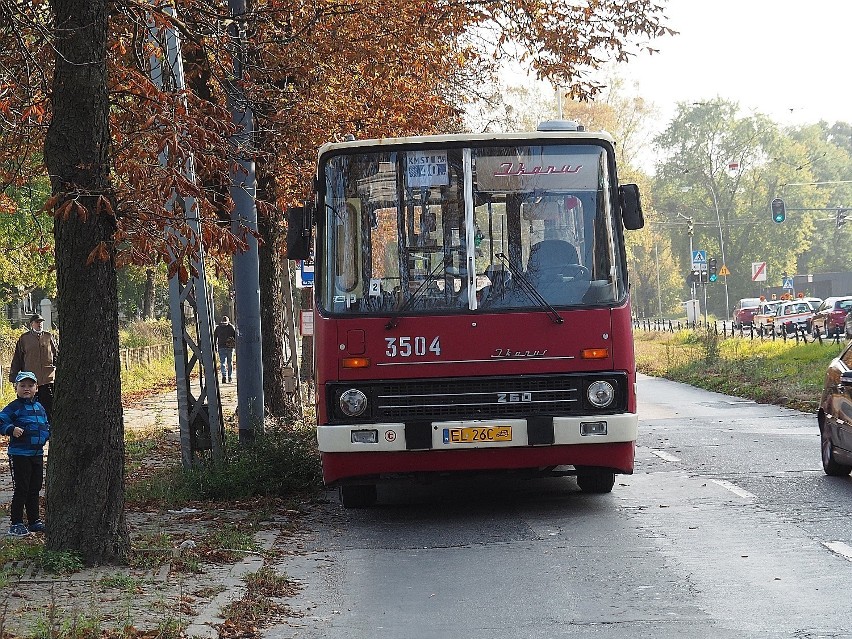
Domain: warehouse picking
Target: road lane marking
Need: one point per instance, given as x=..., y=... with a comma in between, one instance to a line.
x=734, y=488
x=664, y=455
x=839, y=548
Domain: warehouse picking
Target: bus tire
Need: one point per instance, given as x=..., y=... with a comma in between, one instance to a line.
x=357, y=495
x=595, y=480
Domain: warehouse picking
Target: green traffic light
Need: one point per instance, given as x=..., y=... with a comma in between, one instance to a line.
x=779, y=210
x=713, y=277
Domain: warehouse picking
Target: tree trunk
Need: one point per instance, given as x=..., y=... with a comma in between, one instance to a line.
x=148, y=300
x=85, y=473
x=272, y=309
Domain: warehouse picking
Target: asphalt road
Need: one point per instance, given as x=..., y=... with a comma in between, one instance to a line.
x=728, y=528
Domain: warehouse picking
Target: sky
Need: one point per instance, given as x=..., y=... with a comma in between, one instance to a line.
x=788, y=60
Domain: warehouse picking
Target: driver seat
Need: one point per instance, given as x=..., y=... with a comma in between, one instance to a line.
x=548, y=259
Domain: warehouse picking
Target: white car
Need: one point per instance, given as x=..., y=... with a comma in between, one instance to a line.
x=793, y=317
x=765, y=316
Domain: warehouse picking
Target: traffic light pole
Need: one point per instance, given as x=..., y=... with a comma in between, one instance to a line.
x=690, y=232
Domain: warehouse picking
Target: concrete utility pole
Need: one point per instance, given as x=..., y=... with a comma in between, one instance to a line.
x=199, y=417
x=721, y=243
x=250, y=400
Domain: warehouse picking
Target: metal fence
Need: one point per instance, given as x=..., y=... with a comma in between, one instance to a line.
x=143, y=355
x=726, y=329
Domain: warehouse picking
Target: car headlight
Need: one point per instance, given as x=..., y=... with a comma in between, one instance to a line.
x=600, y=394
x=353, y=402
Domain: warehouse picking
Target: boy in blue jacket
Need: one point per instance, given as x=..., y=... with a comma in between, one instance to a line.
x=25, y=422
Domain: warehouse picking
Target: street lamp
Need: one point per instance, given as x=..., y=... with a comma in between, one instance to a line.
x=721, y=242
x=712, y=187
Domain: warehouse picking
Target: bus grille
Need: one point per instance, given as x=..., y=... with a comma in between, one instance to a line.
x=485, y=398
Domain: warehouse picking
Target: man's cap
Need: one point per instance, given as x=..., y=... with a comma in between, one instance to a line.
x=35, y=317
x=225, y=319
x=25, y=375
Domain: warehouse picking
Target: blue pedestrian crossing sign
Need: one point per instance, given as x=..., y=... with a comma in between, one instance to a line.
x=699, y=260
x=788, y=283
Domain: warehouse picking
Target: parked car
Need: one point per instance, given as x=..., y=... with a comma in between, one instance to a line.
x=815, y=302
x=793, y=317
x=835, y=407
x=831, y=315
x=744, y=311
x=765, y=315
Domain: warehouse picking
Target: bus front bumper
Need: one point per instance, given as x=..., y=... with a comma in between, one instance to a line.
x=372, y=450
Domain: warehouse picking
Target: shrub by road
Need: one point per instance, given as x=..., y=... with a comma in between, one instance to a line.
x=780, y=372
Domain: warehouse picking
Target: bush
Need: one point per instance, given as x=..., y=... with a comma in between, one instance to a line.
x=776, y=372
x=282, y=462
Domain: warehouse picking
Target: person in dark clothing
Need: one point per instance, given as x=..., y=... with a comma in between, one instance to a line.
x=36, y=351
x=24, y=421
x=225, y=337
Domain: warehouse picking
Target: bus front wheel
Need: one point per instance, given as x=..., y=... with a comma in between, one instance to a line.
x=358, y=495
x=591, y=479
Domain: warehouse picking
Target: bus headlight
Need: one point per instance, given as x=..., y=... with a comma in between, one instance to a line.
x=353, y=402
x=600, y=394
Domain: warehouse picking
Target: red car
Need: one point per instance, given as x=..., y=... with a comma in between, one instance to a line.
x=831, y=316
x=744, y=311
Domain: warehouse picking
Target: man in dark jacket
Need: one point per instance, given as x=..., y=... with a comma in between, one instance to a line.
x=225, y=337
x=36, y=352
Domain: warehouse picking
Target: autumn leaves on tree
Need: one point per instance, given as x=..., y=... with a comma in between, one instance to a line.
x=315, y=71
x=78, y=104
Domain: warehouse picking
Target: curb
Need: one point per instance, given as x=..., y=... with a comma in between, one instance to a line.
x=205, y=623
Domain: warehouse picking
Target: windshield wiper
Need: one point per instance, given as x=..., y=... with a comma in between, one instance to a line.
x=530, y=289
x=394, y=320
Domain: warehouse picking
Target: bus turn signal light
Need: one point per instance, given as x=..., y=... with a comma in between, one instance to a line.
x=594, y=353
x=356, y=362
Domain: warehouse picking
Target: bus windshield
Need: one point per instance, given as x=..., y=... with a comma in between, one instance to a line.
x=474, y=229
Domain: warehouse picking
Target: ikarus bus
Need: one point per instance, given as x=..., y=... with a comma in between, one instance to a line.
x=471, y=308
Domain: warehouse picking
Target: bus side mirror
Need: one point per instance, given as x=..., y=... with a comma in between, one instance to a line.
x=299, y=222
x=631, y=207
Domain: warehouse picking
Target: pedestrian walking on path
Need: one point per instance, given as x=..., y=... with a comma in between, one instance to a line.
x=35, y=352
x=225, y=337
x=24, y=421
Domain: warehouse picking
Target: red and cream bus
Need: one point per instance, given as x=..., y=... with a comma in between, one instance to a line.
x=471, y=307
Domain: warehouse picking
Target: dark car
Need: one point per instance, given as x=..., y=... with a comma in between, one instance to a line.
x=831, y=315
x=835, y=416
x=744, y=311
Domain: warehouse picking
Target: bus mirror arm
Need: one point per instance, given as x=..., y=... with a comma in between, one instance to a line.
x=530, y=289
